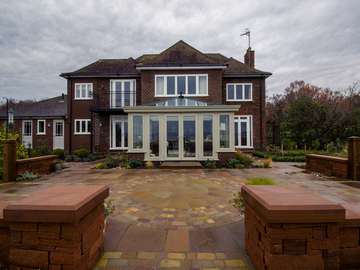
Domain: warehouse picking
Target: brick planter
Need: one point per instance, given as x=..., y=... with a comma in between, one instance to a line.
x=57, y=228
x=37, y=165
x=289, y=228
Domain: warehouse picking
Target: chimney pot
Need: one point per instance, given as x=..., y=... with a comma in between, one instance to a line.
x=249, y=58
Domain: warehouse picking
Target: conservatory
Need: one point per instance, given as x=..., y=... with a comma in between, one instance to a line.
x=181, y=129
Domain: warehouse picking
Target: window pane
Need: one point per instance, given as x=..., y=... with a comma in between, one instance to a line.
x=77, y=91
x=170, y=84
x=127, y=90
x=83, y=126
x=118, y=134
x=137, y=131
x=90, y=90
x=202, y=85
x=247, y=91
x=172, y=135
x=230, y=91
x=236, y=133
x=239, y=93
x=117, y=94
x=189, y=136
x=83, y=90
x=77, y=129
x=181, y=85
x=159, y=86
x=243, y=130
x=208, y=136
x=41, y=127
x=224, y=131
x=126, y=134
x=191, y=85
x=154, y=136
x=59, y=129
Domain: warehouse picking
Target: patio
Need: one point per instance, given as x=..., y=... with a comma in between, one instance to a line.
x=179, y=219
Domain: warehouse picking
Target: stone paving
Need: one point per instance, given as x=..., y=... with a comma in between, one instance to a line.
x=178, y=219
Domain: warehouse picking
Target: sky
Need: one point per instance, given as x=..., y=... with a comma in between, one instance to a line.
x=315, y=41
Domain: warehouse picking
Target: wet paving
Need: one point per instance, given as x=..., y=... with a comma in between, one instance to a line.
x=178, y=219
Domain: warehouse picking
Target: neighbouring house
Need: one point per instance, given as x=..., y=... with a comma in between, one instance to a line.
x=180, y=104
x=40, y=123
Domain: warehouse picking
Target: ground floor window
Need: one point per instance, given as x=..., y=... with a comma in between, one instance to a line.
x=82, y=126
x=243, y=131
x=137, y=132
x=224, y=131
x=119, y=132
x=154, y=136
x=208, y=135
x=27, y=128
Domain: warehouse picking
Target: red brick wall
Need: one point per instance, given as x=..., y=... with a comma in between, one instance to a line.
x=36, y=165
x=331, y=166
x=256, y=108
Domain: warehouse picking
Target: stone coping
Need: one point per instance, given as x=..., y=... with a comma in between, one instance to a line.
x=59, y=203
x=291, y=205
x=339, y=159
x=26, y=160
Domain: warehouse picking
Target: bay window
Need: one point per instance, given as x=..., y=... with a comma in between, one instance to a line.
x=137, y=132
x=224, y=131
x=175, y=85
x=239, y=92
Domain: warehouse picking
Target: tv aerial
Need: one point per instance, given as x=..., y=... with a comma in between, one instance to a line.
x=247, y=33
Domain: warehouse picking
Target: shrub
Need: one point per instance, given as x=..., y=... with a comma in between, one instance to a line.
x=82, y=153
x=111, y=162
x=135, y=164
x=42, y=150
x=260, y=181
x=289, y=158
x=21, y=151
x=149, y=164
x=209, y=164
x=27, y=176
x=267, y=163
x=245, y=160
x=234, y=163
x=69, y=158
x=100, y=165
x=59, y=153
x=261, y=154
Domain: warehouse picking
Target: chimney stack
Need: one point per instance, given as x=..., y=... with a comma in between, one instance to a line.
x=249, y=58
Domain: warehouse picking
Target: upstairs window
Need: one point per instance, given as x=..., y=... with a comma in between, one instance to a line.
x=239, y=92
x=82, y=126
x=122, y=93
x=83, y=90
x=187, y=85
x=41, y=130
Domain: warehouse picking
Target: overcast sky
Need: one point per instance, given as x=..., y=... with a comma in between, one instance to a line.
x=317, y=41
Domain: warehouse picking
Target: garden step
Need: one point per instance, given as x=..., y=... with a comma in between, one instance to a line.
x=180, y=165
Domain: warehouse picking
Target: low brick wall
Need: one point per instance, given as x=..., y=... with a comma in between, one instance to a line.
x=37, y=165
x=56, y=228
x=328, y=165
x=288, y=228
x=4, y=238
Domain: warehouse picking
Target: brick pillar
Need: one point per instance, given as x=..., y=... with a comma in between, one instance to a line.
x=354, y=158
x=9, y=164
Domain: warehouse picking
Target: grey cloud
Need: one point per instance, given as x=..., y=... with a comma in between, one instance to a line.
x=316, y=41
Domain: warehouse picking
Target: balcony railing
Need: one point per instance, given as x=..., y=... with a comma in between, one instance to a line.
x=120, y=99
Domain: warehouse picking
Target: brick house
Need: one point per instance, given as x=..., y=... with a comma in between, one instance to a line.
x=41, y=123
x=180, y=104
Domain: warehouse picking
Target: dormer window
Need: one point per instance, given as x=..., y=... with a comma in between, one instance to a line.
x=174, y=85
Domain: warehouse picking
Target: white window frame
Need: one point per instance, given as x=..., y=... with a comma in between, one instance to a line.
x=197, y=94
x=122, y=120
x=236, y=99
x=113, y=93
x=23, y=128
x=249, y=133
x=37, y=127
x=88, y=92
x=88, y=121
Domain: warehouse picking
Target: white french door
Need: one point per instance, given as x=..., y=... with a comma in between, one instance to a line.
x=243, y=131
x=27, y=131
x=180, y=137
x=119, y=133
x=58, y=134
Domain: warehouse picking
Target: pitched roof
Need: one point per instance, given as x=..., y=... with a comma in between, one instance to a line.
x=106, y=67
x=179, y=54
x=51, y=107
